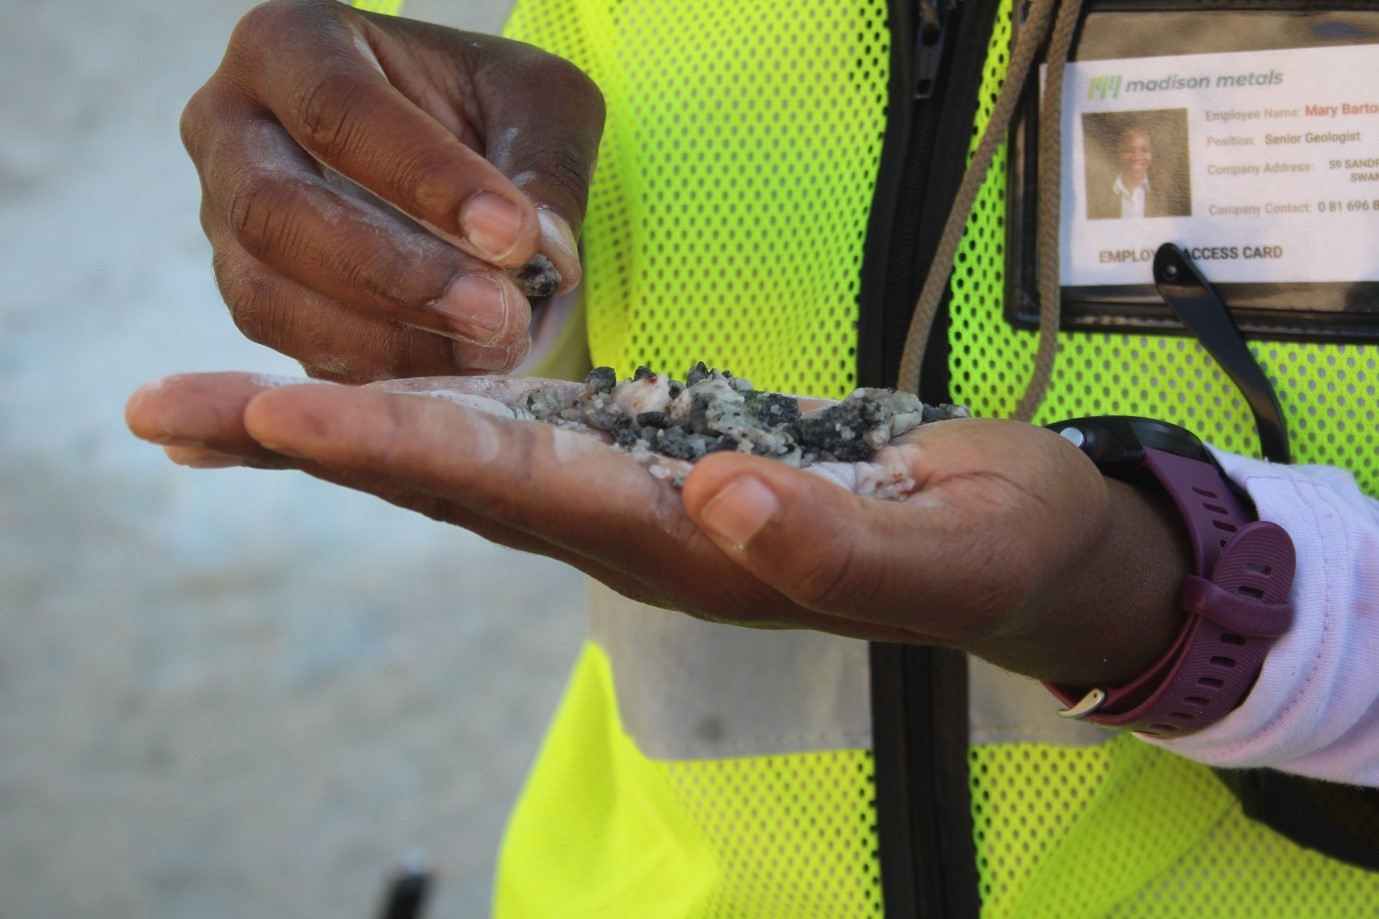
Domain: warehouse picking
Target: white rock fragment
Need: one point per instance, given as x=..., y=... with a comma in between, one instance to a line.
x=644, y=394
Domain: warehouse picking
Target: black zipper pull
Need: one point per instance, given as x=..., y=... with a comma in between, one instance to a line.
x=930, y=38
x=1201, y=309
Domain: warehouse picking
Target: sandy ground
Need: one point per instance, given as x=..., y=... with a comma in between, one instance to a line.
x=222, y=694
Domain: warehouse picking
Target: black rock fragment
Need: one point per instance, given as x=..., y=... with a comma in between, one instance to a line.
x=537, y=278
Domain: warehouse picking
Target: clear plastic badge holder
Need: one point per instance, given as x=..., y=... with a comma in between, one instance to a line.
x=1247, y=136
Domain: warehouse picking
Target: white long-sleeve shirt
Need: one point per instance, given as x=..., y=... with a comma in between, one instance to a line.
x=1315, y=707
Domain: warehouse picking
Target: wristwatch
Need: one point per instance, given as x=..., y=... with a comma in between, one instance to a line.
x=1237, y=601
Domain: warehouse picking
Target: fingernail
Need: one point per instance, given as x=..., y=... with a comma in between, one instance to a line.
x=559, y=244
x=163, y=439
x=475, y=306
x=739, y=511
x=491, y=224
x=494, y=360
x=195, y=457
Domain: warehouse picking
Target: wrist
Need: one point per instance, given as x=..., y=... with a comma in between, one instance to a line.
x=1235, y=598
x=1108, y=607
x=1140, y=565
x=1120, y=605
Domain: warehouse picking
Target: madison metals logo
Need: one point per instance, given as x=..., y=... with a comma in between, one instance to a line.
x=1105, y=87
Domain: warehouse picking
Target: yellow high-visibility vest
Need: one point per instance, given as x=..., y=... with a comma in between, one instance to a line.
x=697, y=770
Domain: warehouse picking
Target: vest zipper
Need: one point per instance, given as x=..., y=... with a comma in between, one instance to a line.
x=919, y=694
x=938, y=51
x=931, y=36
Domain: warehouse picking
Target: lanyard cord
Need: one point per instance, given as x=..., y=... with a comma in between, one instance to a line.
x=1032, y=36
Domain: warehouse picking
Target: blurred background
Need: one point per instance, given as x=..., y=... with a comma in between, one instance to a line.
x=222, y=693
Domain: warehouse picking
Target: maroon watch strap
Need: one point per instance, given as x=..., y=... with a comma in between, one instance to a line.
x=1237, y=604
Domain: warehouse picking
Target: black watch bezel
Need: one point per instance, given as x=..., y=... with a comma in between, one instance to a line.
x=1116, y=443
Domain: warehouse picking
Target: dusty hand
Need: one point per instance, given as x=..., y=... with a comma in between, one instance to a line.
x=368, y=182
x=1011, y=544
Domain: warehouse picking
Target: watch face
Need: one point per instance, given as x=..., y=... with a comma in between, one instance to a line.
x=1117, y=442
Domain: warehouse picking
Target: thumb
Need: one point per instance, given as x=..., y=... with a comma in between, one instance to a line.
x=817, y=543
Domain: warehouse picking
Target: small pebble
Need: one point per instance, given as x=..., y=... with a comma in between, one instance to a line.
x=538, y=278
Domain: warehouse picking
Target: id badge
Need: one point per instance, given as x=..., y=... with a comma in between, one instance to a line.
x=1249, y=138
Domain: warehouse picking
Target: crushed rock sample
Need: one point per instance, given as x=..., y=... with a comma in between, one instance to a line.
x=712, y=410
x=538, y=277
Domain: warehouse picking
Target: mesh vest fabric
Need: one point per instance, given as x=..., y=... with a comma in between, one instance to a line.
x=726, y=224
x=602, y=830
x=734, y=180
x=387, y=7
x=1126, y=831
